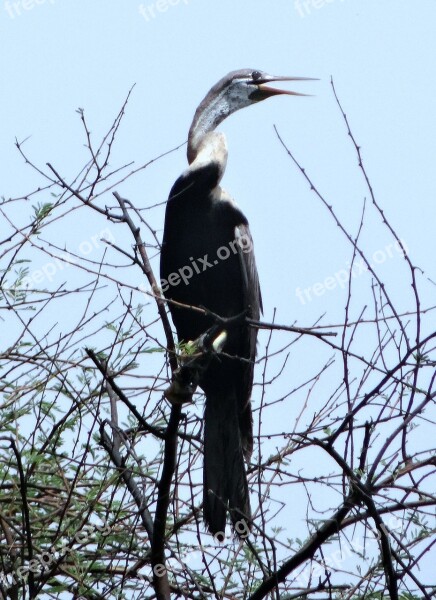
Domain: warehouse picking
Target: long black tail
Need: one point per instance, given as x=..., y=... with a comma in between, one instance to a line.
x=224, y=477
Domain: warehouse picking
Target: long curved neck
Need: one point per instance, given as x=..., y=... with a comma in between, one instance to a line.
x=211, y=152
x=209, y=114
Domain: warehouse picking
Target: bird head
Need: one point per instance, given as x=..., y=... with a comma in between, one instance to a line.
x=236, y=90
x=247, y=86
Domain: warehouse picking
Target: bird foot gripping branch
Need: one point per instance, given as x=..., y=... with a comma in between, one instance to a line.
x=193, y=360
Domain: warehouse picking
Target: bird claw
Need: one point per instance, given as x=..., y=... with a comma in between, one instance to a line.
x=193, y=360
x=178, y=392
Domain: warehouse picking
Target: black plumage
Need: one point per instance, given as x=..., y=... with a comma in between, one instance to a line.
x=197, y=225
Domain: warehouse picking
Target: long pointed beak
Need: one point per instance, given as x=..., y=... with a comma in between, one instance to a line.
x=265, y=91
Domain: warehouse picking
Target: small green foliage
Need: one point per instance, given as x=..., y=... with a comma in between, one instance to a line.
x=41, y=211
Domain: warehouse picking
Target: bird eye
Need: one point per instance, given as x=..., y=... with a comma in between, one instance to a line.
x=256, y=75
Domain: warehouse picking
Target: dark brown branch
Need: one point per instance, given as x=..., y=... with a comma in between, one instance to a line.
x=300, y=330
x=127, y=475
x=151, y=279
x=160, y=575
x=25, y=509
x=121, y=395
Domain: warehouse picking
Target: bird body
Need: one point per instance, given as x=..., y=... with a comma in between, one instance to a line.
x=202, y=225
x=207, y=261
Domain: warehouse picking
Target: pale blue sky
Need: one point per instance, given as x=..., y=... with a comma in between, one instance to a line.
x=58, y=55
